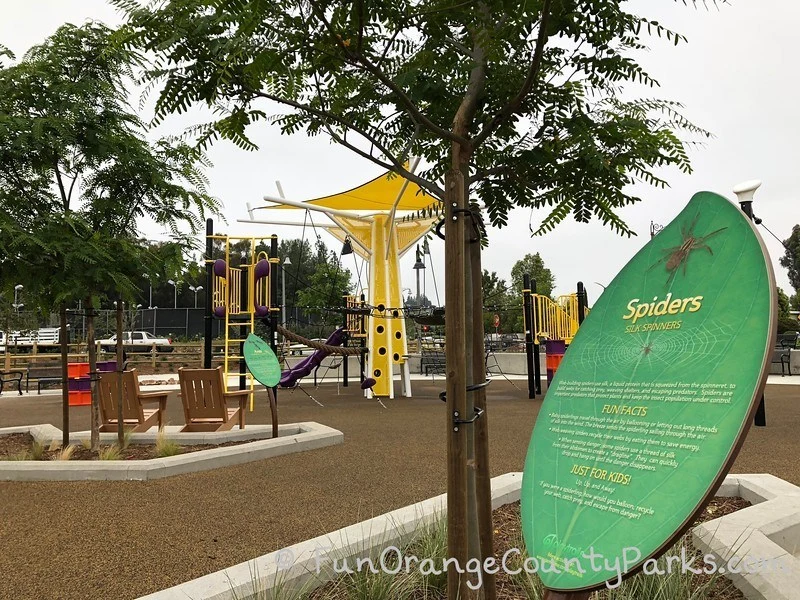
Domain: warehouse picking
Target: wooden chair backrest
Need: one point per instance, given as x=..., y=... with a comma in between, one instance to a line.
x=109, y=389
x=202, y=394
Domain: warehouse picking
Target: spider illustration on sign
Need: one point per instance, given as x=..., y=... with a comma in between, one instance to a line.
x=678, y=256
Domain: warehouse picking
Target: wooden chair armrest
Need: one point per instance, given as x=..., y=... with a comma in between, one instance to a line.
x=242, y=396
x=160, y=397
x=233, y=393
x=152, y=395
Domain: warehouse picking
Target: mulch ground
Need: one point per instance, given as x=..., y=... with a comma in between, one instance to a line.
x=82, y=540
x=508, y=534
x=14, y=446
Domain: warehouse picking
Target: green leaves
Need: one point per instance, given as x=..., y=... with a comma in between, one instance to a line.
x=452, y=83
x=77, y=172
x=791, y=257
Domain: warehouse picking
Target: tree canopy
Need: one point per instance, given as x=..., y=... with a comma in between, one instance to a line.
x=533, y=265
x=77, y=171
x=525, y=99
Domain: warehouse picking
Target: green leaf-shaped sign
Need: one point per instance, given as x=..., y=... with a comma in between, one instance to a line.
x=652, y=400
x=261, y=361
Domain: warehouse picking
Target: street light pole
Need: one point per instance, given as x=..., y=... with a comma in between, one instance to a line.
x=195, y=290
x=418, y=266
x=175, y=285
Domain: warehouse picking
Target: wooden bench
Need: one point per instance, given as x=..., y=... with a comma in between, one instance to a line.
x=433, y=362
x=781, y=356
x=43, y=376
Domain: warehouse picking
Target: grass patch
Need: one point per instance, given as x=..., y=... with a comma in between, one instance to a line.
x=165, y=446
x=24, y=455
x=38, y=451
x=110, y=453
x=64, y=453
x=431, y=543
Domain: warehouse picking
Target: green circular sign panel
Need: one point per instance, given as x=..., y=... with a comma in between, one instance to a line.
x=261, y=361
x=652, y=399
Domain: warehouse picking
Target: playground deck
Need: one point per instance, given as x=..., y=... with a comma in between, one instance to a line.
x=124, y=539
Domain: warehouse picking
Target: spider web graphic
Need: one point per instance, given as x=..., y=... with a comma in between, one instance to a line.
x=672, y=350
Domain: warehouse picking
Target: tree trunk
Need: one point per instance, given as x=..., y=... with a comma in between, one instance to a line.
x=473, y=536
x=456, y=384
x=64, y=341
x=483, y=483
x=92, y=351
x=120, y=366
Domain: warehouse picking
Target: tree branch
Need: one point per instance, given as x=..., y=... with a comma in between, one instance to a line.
x=64, y=198
x=533, y=73
x=486, y=173
x=71, y=186
x=413, y=111
x=396, y=165
x=466, y=111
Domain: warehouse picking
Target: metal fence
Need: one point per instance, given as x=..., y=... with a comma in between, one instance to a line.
x=175, y=323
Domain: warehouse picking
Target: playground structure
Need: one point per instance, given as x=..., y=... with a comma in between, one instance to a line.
x=241, y=295
x=383, y=219
x=557, y=319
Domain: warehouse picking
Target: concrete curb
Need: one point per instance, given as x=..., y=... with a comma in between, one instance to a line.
x=191, y=438
x=296, y=437
x=762, y=541
x=294, y=567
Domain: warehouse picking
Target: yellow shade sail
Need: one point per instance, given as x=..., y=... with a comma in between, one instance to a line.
x=378, y=194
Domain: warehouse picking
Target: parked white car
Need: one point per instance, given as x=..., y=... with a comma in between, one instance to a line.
x=137, y=341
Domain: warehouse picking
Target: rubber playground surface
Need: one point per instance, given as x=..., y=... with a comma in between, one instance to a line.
x=81, y=540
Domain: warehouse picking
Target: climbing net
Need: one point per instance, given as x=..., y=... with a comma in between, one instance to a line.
x=289, y=335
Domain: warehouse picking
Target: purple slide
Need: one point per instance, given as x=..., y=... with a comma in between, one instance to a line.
x=304, y=367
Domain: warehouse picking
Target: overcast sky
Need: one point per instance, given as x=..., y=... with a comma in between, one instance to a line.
x=734, y=78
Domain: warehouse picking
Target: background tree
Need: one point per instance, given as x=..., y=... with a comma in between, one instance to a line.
x=794, y=301
x=326, y=287
x=791, y=258
x=513, y=105
x=77, y=173
x=500, y=299
x=786, y=322
x=533, y=265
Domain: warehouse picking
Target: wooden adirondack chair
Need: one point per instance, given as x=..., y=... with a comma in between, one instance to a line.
x=133, y=414
x=205, y=401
